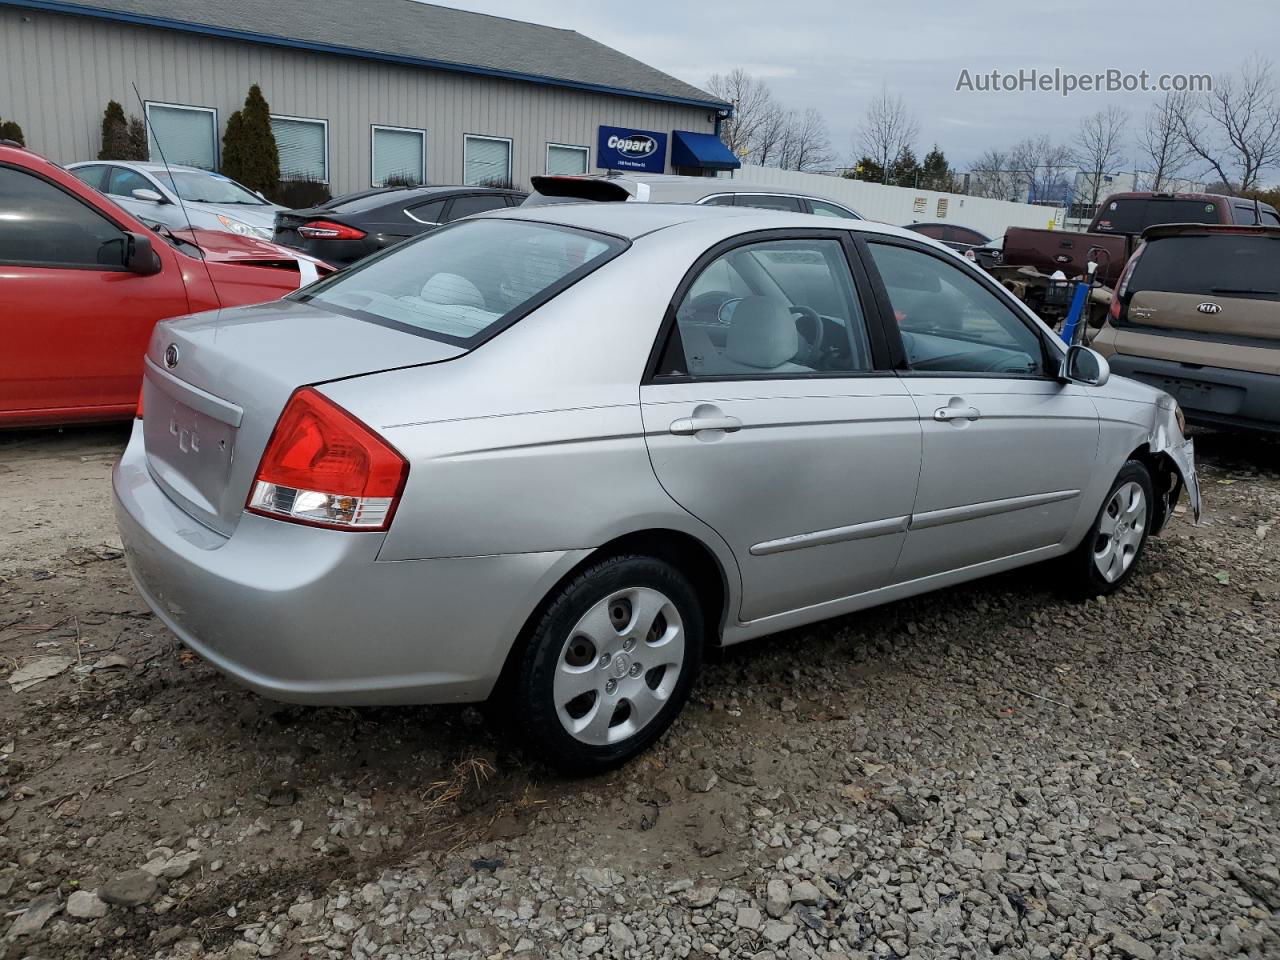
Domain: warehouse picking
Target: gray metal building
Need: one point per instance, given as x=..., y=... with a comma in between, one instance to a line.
x=359, y=90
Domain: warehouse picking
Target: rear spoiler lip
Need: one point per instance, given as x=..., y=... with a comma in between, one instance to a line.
x=1161, y=230
x=582, y=188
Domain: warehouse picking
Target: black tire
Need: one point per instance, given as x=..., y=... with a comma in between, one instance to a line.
x=1083, y=577
x=533, y=708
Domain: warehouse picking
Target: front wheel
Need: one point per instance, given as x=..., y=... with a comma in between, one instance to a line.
x=610, y=663
x=1110, y=550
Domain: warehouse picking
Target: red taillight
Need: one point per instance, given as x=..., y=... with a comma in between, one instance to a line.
x=323, y=466
x=1122, y=285
x=138, y=414
x=328, y=230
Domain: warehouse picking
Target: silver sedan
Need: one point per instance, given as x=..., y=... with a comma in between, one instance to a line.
x=551, y=455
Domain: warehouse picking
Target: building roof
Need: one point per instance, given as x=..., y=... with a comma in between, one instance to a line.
x=406, y=31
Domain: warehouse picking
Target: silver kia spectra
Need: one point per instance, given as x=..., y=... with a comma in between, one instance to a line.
x=555, y=453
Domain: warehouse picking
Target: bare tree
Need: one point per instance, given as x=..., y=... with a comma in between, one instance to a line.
x=1042, y=166
x=1235, y=128
x=1161, y=146
x=770, y=135
x=805, y=144
x=752, y=103
x=1098, y=149
x=993, y=176
x=887, y=128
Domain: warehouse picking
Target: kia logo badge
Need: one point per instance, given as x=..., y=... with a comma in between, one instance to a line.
x=171, y=356
x=1209, y=308
x=637, y=146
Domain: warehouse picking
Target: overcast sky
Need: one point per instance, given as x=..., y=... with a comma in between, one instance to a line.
x=834, y=55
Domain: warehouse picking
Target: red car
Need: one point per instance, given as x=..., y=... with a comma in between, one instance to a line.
x=82, y=282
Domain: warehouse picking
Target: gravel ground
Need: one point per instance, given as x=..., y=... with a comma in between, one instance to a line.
x=986, y=771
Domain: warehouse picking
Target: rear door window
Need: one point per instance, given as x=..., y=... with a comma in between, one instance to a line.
x=465, y=282
x=432, y=212
x=823, y=209
x=724, y=200
x=778, y=308
x=95, y=176
x=768, y=202
x=1225, y=264
x=476, y=203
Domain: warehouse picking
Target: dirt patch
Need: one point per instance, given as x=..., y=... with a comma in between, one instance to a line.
x=928, y=741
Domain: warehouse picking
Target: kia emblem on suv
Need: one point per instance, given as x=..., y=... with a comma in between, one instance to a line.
x=1209, y=308
x=171, y=355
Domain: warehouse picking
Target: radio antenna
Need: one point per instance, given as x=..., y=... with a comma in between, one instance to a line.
x=146, y=119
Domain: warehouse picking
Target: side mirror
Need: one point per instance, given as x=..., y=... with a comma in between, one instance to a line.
x=1084, y=366
x=139, y=256
x=151, y=196
x=261, y=196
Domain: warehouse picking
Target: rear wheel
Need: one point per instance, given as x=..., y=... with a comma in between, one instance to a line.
x=610, y=664
x=1110, y=550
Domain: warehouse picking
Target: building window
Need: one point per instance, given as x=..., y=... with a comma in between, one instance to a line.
x=399, y=155
x=304, y=148
x=183, y=135
x=486, y=161
x=566, y=161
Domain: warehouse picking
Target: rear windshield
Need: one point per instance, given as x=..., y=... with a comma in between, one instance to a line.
x=1230, y=265
x=1133, y=215
x=465, y=282
x=372, y=199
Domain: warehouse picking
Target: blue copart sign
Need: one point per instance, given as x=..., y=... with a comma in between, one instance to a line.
x=622, y=148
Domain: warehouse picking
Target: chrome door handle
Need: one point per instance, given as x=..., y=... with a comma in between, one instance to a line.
x=957, y=413
x=687, y=426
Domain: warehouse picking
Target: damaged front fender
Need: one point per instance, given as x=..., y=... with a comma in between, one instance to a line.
x=1167, y=439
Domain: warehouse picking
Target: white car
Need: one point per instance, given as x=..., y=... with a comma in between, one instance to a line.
x=179, y=196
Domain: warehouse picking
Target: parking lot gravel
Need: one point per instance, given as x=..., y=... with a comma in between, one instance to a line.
x=988, y=771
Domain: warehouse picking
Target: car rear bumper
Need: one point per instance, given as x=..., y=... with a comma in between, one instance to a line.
x=1214, y=396
x=308, y=615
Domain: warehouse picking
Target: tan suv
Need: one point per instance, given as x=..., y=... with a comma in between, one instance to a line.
x=1197, y=314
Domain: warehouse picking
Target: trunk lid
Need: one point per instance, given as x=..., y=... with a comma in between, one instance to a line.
x=215, y=383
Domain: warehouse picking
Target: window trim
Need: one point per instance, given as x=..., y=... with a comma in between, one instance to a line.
x=94, y=267
x=804, y=199
x=546, y=157
x=373, y=149
x=812, y=200
x=1050, y=355
x=320, y=120
x=867, y=304
x=511, y=156
x=217, y=140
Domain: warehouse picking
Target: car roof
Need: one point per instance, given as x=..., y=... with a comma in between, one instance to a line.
x=1222, y=197
x=665, y=187
x=1162, y=231
x=631, y=220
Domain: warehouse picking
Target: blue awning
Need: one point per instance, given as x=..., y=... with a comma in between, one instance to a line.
x=701, y=150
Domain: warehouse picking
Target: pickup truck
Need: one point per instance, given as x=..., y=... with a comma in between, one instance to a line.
x=1120, y=220
x=1030, y=257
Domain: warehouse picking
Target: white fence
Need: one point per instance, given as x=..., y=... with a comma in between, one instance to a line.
x=903, y=205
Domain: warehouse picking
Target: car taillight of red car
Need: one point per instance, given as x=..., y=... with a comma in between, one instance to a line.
x=328, y=230
x=325, y=468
